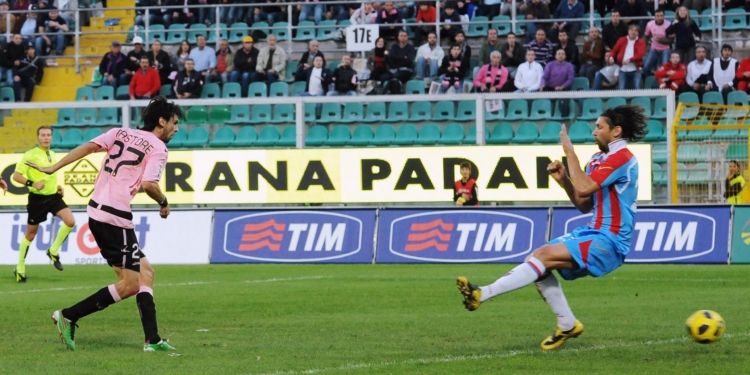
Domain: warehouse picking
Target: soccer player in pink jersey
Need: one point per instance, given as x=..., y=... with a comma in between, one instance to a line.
x=135, y=159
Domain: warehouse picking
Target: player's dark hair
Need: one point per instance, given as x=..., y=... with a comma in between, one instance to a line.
x=465, y=164
x=631, y=118
x=39, y=129
x=159, y=108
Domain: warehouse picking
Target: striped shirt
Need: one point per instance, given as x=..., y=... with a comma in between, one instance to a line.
x=545, y=52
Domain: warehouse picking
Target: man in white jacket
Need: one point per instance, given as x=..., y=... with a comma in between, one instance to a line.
x=429, y=55
x=529, y=74
x=699, y=77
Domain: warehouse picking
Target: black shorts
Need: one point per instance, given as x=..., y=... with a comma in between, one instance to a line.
x=40, y=205
x=119, y=246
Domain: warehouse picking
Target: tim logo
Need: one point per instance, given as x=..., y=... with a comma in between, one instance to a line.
x=293, y=236
x=461, y=236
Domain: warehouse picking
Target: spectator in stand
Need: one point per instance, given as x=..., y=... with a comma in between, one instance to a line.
x=536, y=10
x=660, y=49
x=20, y=6
x=613, y=31
x=406, y=9
x=570, y=9
x=189, y=82
x=686, y=34
x=378, y=62
x=628, y=54
x=465, y=48
x=492, y=9
x=493, y=77
x=306, y=61
x=698, y=5
x=161, y=62
x=592, y=55
x=154, y=14
x=699, y=76
x=729, y=4
x=742, y=76
x=4, y=15
x=724, y=70
x=542, y=48
x=268, y=13
x=390, y=17
x=401, y=58
x=183, y=53
x=512, y=54
x=204, y=57
x=428, y=15
x=145, y=83
x=570, y=48
x=490, y=46
x=318, y=78
x=224, y=64
x=28, y=74
x=207, y=15
x=430, y=56
x=450, y=21
x=184, y=15
x=629, y=9
x=54, y=28
x=271, y=61
x=134, y=60
x=559, y=76
x=672, y=74
x=605, y=6
x=11, y=58
x=245, y=64
x=312, y=11
x=364, y=16
x=529, y=74
x=344, y=79
x=113, y=66
x=29, y=30
x=608, y=76
x=452, y=71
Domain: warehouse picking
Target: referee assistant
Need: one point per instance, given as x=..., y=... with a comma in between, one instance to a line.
x=45, y=196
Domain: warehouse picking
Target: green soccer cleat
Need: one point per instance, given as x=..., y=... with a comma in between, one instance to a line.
x=55, y=260
x=20, y=277
x=159, y=346
x=472, y=294
x=66, y=328
x=557, y=339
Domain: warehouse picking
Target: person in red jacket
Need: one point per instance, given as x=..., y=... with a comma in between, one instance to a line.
x=743, y=76
x=628, y=54
x=465, y=189
x=672, y=74
x=145, y=83
x=425, y=14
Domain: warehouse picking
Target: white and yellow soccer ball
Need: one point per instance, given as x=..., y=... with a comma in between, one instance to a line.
x=705, y=326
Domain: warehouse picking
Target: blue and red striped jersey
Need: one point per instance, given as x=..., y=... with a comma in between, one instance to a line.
x=615, y=203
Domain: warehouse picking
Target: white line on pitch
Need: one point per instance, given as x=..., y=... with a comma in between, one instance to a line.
x=618, y=278
x=288, y=279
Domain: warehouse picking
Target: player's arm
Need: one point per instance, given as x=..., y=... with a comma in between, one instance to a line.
x=151, y=177
x=77, y=153
x=583, y=204
x=153, y=191
x=583, y=185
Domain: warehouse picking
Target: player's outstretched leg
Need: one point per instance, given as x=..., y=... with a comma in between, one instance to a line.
x=524, y=274
x=567, y=325
x=147, y=309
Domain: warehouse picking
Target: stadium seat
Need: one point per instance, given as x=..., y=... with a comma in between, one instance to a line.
x=122, y=90
x=268, y=136
x=518, y=109
x=727, y=133
x=340, y=136
x=615, y=102
x=698, y=135
x=281, y=30
x=659, y=175
x=502, y=133
x=644, y=102
x=66, y=117
x=655, y=131
x=331, y=112
x=541, y=109
x=239, y=30
x=398, y=112
x=72, y=138
x=478, y=27
x=688, y=153
x=325, y=29
x=682, y=172
x=85, y=93
x=298, y=88
x=257, y=90
x=452, y=135
x=737, y=152
x=90, y=134
x=409, y=31
x=239, y=114
x=231, y=90
x=659, y=153
x=279, y=89
x=176, y=34
x=527, y=133
x=707, y=21
x=137, y=116
x=384, y=135
x=261, y=27
x=310, y=112
x=195, y=30
x=261, y=114
x=406, y=135
x=166, y=91
x=414, y=87
x=211, y=33
x=501, y=24
x=197, y=115
x=283, y=114
x=713, y=97
x=421, y=111
x=223, y=137
x=288, y=137
x=86, y=117
x=591, y=109
x=353, y=112
x=699, y=174
x=291, y=68
x=56, y=137
x=429, y=135
x=333, y=64
x=660, y=108
x=197, y=138
x=495, y=115
x=737, y=98
x=362, y=136
x=316, y=136
x=305, y=31
x=246, y=137
x=444, y=111
x=735, y=19
x=108, y=117
x=178, y=139
x=558, y=113
x=375, y=112
x=581, y=83
x=219, y=114
x=689, y=112
x=466, y=111
x=651, y=83
x=471, y=138
x=579, y=132
x=211, y=91
x=550, y=132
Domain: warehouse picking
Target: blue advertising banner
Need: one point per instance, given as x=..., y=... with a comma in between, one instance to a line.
x=460, y=235
x=674, y=234
x=304, y=236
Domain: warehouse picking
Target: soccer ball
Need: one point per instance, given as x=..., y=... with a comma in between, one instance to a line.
x=705, y=326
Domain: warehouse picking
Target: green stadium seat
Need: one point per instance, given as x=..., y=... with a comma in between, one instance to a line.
x=223, y=137
x=682, y=172
x=615, y=102
x=178, y=139
x=651, y=83
x=333, y=64
x=260, y=26
x=219, y=114
x=197, y=138
x=122, y=90
x=239, y=114
x=452, y=135
x=550, y=132
x=398, y=112
x=279, y=89
x=298, y=88
x=579, y=132
x=421, y=111
x=659, y=153
x=66, y=117
x=56, y=137
x=316, y=136
x=591, y=109
x=268, y=136
x=340, y=136
x=195, y=30
x=541, y=109
x=257, y=90
x=737, y=152
x=86, y=117
x=283, y=114
x=197, y=115
x=713, y=97
x=384, y=135
x=445, y=111
x=699, y=135
x=211, y=91
x=71, y=139
x=375, y=112
x=689, y=153
x=655, y=131
x=331, y=112
x=518, y=109
x=501, y=24
x=735, y=19
x=659, y=175
x=527, y=133
x=246, y=137
x=310, y=112
x=466, y=111
x=240, y=30
x=502, y=133
x=305, y=31
x=353, y=112
x=281, y=30
x=689, y=97
x=406, y=135
x=90, y=134
x=176, y=34
x=495, y=115
x=727, y=133
x=288, y=137
x=737, y=98
x=325, y=29
x=137, y=116
x=581, y=83
x=660, y=109
x=85, y=93
x=409, y=31
x=478, y=27
x=429, y=135
x=108, y=117
x=362, y=136
x=291, y=67
x=414, y=87
x=644, y=102
x=166, y=91
x=699, y=174
x=706, y=21
x=231, y=90
x=471, y=138
x=261, y=114
x=211, y=31
x=558, y=113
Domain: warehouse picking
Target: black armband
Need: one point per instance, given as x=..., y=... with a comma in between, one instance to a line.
x=164, y=202
x=29, y=182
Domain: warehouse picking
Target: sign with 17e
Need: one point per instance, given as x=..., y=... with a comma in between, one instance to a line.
x=361, y=37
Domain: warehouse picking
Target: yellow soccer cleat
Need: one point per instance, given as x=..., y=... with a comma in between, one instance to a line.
x=472, y=294
x=557, y=339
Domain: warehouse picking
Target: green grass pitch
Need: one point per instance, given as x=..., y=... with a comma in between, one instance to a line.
x=375, y=319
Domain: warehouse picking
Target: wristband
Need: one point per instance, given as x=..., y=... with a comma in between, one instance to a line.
x=164, y=202
x=29, y=182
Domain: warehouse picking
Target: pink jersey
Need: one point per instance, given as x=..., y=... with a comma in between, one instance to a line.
x=133, y=156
